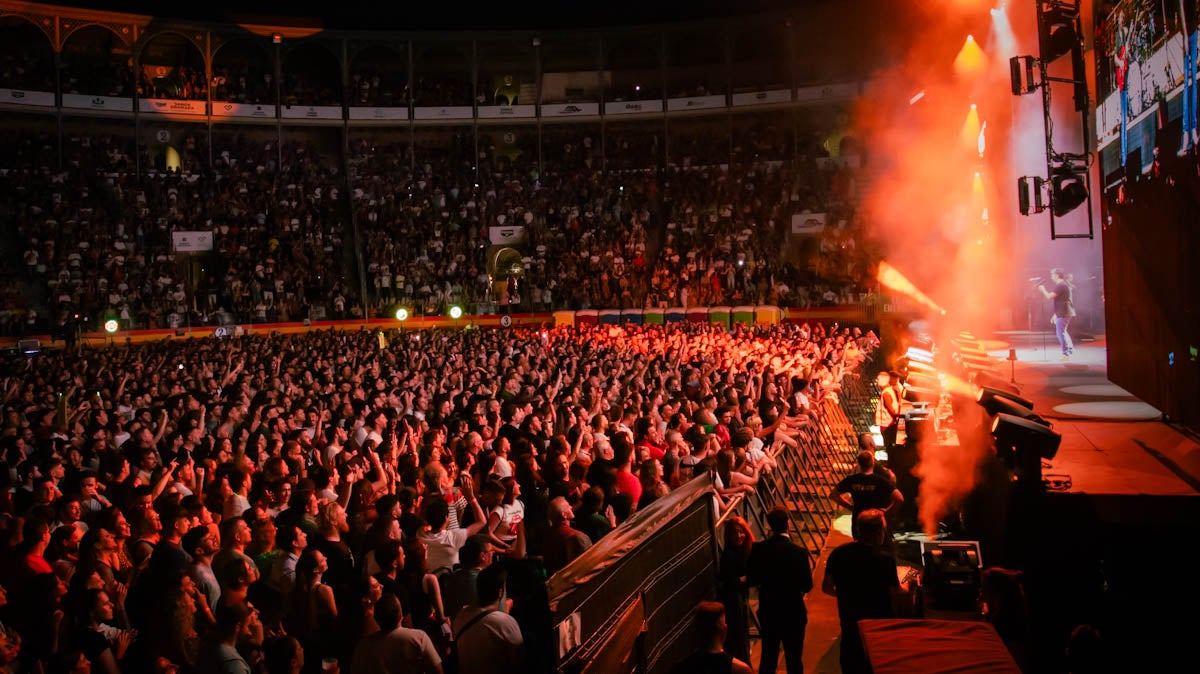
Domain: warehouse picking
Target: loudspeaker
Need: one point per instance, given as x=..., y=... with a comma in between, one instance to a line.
x=952, y=574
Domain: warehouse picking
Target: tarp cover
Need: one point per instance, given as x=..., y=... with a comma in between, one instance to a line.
x=935, y=647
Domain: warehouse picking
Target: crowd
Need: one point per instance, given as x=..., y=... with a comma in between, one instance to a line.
x=268, y=503
x=244, y=81
x=183, y=83
x=95, y=239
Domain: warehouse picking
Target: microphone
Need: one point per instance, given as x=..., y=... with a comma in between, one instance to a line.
x=1035, y=279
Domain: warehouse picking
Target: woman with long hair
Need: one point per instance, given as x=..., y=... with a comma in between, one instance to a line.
x=94, y=608
x=730, y=478
x=732, y=590
x=311, y=612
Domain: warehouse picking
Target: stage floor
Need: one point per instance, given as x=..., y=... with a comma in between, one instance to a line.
x=1112, y=442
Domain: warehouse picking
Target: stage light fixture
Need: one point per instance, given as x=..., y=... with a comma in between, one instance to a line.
x=456, y=312
x=1058, y=35
x=997, y=406
x=1031, y=194
x=402, y=314
x=1020, y=70
x=987, y=392
x=919, y=355
x=111, y=326
x=1015, y=435
x=984, y=379
x=1068, y=189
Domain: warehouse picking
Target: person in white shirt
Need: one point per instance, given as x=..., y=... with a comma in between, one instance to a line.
x=442, y=542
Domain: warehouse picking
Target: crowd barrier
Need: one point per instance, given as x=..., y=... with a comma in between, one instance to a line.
x=627, y=604
x=806, y=474
x=727, y=316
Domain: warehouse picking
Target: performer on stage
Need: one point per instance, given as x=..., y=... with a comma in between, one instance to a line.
x=1121, y=59
x=1064, y=309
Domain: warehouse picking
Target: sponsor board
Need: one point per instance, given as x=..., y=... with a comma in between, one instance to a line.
x=763, y=97
x=695, y=103
x=85, y=102
x=808, y=223
x=43, y=99
x=827, y=92
x=447, y=112
x=226, y=109
x=191, y=242
x=397, y=114
x=160, y=106
x=311, y=111
x=633, y=107
x=506, y=235
x=507, y=111
x=570, y=109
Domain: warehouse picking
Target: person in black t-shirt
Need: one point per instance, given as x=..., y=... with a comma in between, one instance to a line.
x=865, y=583
x=866, y=489
x=710, y=657
x=1064, y=310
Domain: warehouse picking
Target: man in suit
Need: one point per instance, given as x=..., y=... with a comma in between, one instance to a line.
x=780, y=569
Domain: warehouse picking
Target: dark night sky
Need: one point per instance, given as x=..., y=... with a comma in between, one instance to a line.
x=439, y=14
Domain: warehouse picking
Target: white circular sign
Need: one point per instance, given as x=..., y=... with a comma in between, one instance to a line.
x=506, y=320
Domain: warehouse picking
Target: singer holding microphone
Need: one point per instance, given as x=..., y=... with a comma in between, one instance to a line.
x=1064, y=310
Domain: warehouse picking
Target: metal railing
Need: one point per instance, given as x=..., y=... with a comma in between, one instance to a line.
x=806, y=474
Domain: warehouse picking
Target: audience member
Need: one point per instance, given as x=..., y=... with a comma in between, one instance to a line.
x=865, y=583
x=781, y=571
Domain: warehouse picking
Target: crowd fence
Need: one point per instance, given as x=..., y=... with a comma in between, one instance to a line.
x=627, y=604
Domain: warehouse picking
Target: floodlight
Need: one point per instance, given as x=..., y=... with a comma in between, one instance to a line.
x=1021, y=69
x=402, y=314
x=986, y=392
x=456, y=312
x=111, y=326
x=1068, y=190
x=1015, y=435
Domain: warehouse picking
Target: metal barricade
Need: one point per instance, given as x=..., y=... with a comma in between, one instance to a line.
x=805, y=475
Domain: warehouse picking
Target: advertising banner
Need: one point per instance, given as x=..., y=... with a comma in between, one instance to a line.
x=167, y=107
x=312, y=112
x=695, y=103
x=763, y=97
x=44, y=99
x=633, y=107
x=225, y=109
x=570, y=109
x=507, y=111
x=506, y=235
x=449, y=112
x=390, y=114
x=191, y=242
x=109, y=103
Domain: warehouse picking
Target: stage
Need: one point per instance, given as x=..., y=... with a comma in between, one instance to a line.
x=1105, y=542
x=1113, y=445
